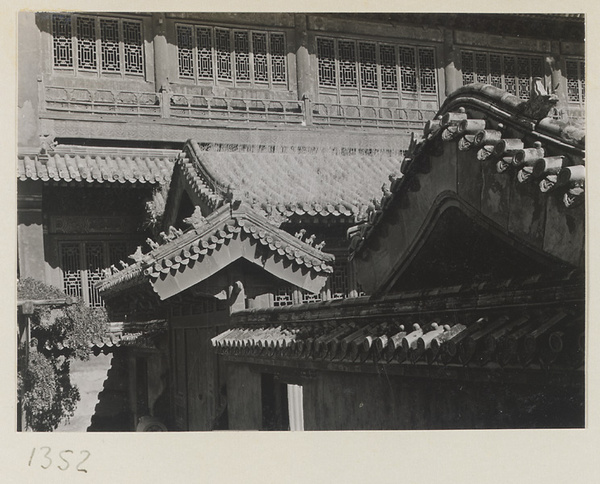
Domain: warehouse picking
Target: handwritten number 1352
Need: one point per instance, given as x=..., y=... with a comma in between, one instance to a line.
x=63, y=455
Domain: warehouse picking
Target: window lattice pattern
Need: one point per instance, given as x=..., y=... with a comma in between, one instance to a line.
x=283, y=297
x=231, y=56
x=184, y=51
x=368, y=65
x=389, y=77
x=205, y=60
x=62, y=41
x=95, y=263
x=511, y=73
x=223, y=47
x=427, y=71
x=71, y=264
x=481, y=68
x=132, y=46
x=326, y=55
x=278, y=65
x=259, y=47
x=347, y=62
x=113, y=45
x=109, y=38
x=83, y=264
x=575, y=73
x=408, y=69
x=524, y=77
x=339, y=280
x=378, y=66
x=308, y=297
x=467, y=67
x=86, y=44
x=242, y=56
x=496, y=70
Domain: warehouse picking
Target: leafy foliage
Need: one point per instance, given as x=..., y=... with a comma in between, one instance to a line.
x=59, y=333
x=46, y=391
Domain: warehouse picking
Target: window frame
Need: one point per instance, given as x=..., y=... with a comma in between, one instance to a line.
x=82, y=242
x=399, y=92
x=98, y=71
x=233, y=81
x=487, y=54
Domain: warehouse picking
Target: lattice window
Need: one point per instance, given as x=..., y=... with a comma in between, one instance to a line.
x=408, y=69
x=537, y=67
x=109, y=38
x=389, y=75
x=62, y=41
x=95, y=262
x=510, y=74
x=524, y=77
x=132, y=46
x=106, y=45
x=205, y=58
x=468, y=67
x=71, y=266
x=261, y=64
x=283, y=296
x=326, y=55
x=242, y=56
x=223, y=48
x=347, y=63
x=481, y=68
x=496, y=70
x=184, y=51
x=575, y=73
x=308, y=297
x=86, y=44
x=338, y=281
x=278, y=64
x=427, y=71
x=83, y=265
x=368, y=65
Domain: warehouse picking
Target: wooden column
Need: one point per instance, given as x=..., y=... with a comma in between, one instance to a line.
x=451, y=73
x=30, y=231
x=558, y=81
x=161, y=61
x=305, y=77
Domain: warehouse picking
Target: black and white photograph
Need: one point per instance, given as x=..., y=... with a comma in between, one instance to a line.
x=300, y=221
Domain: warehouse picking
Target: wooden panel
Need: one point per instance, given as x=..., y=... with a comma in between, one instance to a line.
x=243, y=398
x=495, y=194
x=565, y=230
x=469, y=177
x=527, y=215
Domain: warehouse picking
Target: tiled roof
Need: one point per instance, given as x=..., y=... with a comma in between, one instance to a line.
x=555, y=160
x=125, y=334
x=182, y=250
x=78, y=164
x=287, y=181
x=404, y=331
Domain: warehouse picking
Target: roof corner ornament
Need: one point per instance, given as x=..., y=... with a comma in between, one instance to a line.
x=540, y=101
x=47, y=145
x=137, y=255
x=196, y=219
x=153, y=245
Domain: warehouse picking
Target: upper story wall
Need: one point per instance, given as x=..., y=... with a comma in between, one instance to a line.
x=157, y=77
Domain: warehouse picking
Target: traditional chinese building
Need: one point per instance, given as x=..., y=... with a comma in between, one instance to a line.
x=107, y=103
x=475, y=261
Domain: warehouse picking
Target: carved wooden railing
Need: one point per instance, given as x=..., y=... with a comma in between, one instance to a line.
x=198, y=108
x=101, y=102
x=195, y=107
x=332, y=114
